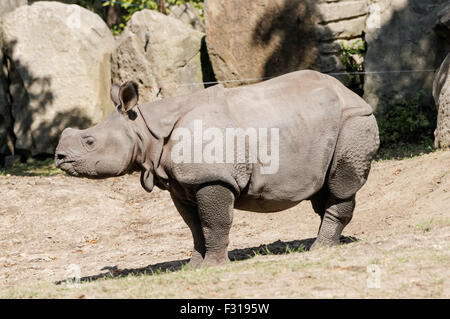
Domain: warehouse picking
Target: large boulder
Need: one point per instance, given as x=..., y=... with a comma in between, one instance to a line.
x=403, y=51
x=9, y=5
x=265, y=38
x=189, y=15
x=161, y=53
x=59, y=71
x=442, y=26
x=441, y=94
x=6, y=138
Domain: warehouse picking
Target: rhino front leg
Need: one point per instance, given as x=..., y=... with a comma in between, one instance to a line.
x=190, y=217
x=215, y=209
x=337, y=215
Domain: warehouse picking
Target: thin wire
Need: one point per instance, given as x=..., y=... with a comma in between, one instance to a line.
x=257, y=79
x=332, y=73
x=387, y=71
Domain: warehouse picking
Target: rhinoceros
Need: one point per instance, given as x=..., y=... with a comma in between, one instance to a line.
x=322, y=141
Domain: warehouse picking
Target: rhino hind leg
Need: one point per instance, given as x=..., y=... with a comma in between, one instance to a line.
x=215, y=209
x=357, y=144
x=190, y=216
x=338, y=213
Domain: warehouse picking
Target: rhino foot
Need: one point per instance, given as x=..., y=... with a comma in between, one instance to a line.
x=336, y=215
x=195, y=261
x=215, y=260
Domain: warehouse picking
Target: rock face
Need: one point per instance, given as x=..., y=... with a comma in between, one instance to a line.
x=9, y=5
x=187, y=13
x=404, y=40
x=442, y=27
x=59, y=71
x=6, y=138
x=161, y=53
x=441, y=94
x=266, y=38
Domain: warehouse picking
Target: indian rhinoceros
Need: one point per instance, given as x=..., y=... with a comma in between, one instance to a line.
x=322, y=140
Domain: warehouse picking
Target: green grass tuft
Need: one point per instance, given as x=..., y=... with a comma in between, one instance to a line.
x=400, y=151
x=32, y=168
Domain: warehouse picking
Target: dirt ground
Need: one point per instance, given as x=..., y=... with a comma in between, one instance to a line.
x=54, y=227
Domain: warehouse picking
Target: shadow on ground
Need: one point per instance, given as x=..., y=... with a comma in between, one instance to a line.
x=276, y=248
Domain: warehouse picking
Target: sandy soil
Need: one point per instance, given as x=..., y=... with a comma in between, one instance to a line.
x=48, y=225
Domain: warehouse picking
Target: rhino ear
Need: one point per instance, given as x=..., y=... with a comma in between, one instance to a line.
x=115, y=94
x=128, y=95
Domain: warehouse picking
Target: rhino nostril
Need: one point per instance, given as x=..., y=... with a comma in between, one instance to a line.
x=60, y=156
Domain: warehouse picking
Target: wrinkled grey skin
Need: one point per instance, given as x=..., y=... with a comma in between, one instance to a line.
x=328, y=137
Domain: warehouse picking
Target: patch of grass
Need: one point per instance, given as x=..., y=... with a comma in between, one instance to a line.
x=404, y=120
x=299, y=249
x=32, y=168
x=406, y=128
x=300, y=265
x=440, y=258
x=400, y=151
x=425, y=226
x=282, y=276
x=266, y=251
x=402, y=259
x=374, y=261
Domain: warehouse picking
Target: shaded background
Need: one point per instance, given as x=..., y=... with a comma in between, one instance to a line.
x=249, y=41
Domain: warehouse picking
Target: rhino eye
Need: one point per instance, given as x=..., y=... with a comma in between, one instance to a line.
x=89, y=141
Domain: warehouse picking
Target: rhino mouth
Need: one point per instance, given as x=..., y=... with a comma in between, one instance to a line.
x=67, y=166
x=65, y=163
x=62, y=161
x=74, y=168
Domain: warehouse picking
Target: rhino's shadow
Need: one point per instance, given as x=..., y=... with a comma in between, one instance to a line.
x=276, y=248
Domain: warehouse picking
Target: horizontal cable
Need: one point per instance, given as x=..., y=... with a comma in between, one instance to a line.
x=47, y=78
x=332, y=73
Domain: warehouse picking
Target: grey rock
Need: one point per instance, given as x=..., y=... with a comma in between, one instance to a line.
x=256, y=39
x=59, y=72
x=341, y=10
x=253, y=40
x=442, y=26
x=189, y=15
x=161, y=53
x=344, y=29
x=6, y=138
x=9, y=5
x=404, y=42
x=441, y=94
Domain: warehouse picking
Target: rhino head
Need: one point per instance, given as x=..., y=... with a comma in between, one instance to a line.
x=117, y=145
